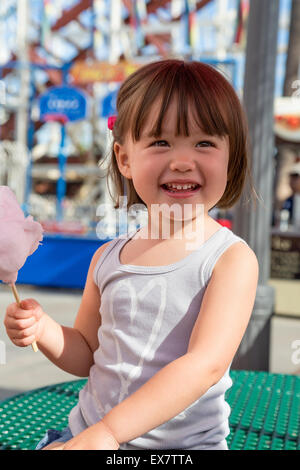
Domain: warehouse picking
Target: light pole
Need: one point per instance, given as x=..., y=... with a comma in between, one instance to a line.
x=254, y=224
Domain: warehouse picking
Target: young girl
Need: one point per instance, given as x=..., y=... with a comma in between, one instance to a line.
x=160, y=323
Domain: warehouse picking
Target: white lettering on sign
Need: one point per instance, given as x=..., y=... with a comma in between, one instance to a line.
x=60, y=104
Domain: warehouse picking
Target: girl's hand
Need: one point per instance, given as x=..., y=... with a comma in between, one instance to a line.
x=96, y=437
x=24, y=324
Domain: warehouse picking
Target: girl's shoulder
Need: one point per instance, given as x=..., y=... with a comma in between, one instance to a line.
x=99, y=252
x=239, y=255
x=109, y=245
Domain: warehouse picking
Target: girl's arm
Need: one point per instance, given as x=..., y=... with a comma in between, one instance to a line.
x=72, y=349
x=223, y=318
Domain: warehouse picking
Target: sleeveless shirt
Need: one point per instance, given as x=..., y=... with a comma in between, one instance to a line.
x=148, y=313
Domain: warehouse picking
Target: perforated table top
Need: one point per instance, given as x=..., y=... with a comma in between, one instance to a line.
x=265, y=412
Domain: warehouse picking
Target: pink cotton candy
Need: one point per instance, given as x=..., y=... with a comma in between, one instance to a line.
x=19, y=236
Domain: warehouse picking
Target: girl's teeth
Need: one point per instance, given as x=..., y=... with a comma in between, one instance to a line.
x=179, y=187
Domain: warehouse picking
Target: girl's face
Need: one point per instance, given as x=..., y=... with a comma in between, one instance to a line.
x=151, y=162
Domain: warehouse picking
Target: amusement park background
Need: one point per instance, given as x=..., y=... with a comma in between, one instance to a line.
x=61, y=65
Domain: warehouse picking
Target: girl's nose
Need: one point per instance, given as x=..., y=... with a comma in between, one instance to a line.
x=182, y=164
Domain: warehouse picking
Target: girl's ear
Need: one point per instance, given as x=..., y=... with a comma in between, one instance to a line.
x=122, y=159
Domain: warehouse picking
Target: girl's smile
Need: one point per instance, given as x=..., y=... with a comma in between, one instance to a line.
x=181, y=190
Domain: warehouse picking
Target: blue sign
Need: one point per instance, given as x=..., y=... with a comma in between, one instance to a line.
x=63, y=100
x=108, y=104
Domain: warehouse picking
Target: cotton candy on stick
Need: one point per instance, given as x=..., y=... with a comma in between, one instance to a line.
x=19, y=238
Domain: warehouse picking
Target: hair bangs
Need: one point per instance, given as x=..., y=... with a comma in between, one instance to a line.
x=181, y=84
x=206, y=104
x=159, y=89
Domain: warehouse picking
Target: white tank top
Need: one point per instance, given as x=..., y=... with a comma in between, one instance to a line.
x=148, y=313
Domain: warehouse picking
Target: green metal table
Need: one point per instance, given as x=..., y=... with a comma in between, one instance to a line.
x=265, y=412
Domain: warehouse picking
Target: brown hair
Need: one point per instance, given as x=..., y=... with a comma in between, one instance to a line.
x=217, y=111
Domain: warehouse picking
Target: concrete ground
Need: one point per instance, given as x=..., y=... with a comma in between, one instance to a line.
x=21, y=369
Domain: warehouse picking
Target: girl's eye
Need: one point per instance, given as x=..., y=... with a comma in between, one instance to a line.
x=162, y=143
x=206, y=143
x=159, y=143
